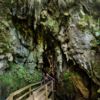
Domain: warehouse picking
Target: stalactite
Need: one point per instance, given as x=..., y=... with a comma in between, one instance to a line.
x=59, y=61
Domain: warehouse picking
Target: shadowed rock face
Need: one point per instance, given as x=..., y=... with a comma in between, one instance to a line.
x=63, y=29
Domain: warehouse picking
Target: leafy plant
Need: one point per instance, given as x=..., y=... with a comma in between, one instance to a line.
x=68, y=84
x=98, y=37
x=18, y=77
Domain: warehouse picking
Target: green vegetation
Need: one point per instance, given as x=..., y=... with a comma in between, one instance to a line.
x=97, y=33
x=18, y=77
x=51, y=24
x=68, y=84
x=67, y=75
x=98, y=90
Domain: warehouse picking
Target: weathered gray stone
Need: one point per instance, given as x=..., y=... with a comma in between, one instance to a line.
x=3, y=65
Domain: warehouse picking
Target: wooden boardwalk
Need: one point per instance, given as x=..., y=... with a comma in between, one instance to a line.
x=36, y=91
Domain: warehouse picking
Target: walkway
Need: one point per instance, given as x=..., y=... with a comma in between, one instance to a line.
x=38, y=91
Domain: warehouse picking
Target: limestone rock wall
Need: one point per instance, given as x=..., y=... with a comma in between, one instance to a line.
x=63, y=30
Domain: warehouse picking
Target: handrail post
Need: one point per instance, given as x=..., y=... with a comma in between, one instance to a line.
x=30, y=90
x=33, y=96
x=46, y=90
x=52, y=90
x=10, y=97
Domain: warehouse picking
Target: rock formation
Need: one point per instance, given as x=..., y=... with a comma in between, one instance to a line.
x=54, y=35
